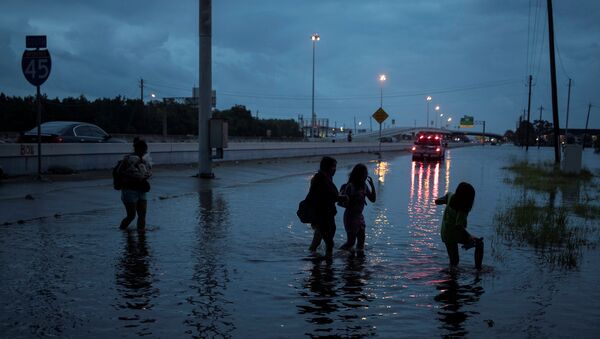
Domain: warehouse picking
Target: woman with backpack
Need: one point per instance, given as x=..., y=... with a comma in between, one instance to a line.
x=134, y=172
x=357, y=192
x=324, y=194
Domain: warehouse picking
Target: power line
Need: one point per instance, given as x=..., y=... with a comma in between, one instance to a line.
x=488, y=84
x=560, y=59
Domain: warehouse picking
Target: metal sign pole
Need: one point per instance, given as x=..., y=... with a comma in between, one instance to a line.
x=39, y=133
x=36, y=66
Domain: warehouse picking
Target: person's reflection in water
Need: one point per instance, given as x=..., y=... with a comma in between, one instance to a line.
x=332, y=299
x=134, y=281
x=454, y=297
x=320, y=291
x=210, y=316
x=354, y=297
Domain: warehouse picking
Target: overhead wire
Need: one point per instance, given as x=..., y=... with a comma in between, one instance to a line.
x=489, y=84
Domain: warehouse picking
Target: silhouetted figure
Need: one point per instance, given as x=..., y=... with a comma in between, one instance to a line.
x=135, y=170
x=454, y=223
x=325, y=195
x=357, y=192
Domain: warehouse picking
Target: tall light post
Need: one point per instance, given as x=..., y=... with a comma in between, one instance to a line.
x=449, y=121
x=382, y=79
x=315, y=37
x=437, y=109
x=428, y=100
x=441, y=116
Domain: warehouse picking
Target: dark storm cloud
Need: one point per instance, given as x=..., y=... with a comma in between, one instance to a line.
x=461, y=52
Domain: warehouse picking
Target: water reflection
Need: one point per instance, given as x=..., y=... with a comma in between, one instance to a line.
x=321, y=294
x=210, y=316
x=355, y=297
x=134, y=282
x=337, y=305
x=381, y=170
x=454, y=298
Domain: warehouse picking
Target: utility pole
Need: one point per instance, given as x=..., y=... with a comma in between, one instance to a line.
x=586, y=125
x=554, y=89
x=205, y=89
x=528, y=116
x=541, y=125
x=142, y=89
x=568, y=103
x=355, y=124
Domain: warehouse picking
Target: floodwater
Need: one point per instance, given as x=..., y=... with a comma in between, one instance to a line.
x=232, y=261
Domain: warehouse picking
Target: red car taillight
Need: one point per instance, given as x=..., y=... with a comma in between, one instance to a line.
x=437, y=149
x=414, y=148
x=57, y=139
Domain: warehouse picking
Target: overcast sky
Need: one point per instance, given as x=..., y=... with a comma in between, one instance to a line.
x=471, y=56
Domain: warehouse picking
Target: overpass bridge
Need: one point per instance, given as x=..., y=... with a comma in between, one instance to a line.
x=404, y=133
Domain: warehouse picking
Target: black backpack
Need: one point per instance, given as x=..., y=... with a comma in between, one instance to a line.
x=117, y=176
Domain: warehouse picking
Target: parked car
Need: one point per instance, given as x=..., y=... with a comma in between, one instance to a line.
x=67, y=131
x=428, y=146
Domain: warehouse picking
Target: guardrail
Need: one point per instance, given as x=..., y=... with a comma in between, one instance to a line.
x=21, y=159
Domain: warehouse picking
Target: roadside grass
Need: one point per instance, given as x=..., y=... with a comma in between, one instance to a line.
x=546, y=229
x=555, y=232
x=545, y=177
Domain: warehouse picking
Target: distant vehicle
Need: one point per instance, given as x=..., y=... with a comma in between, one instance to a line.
x=67, y=132
x=428, y=146
x=387, y=139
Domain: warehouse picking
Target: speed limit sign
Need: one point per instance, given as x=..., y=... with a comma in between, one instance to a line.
x=36, y=65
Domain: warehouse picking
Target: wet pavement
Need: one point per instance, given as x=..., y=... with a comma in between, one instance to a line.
x=228, y=258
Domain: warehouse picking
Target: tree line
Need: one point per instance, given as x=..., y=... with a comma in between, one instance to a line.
x=121, y=115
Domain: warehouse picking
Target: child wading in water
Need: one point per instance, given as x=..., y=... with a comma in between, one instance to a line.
x=354, y=221
x=454, y=223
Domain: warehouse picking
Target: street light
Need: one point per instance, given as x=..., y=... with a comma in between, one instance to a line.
x=382, y=79
x=428, y=100
x=441, y=115
x=449, y=120
x=315, y=37
x=437, y=109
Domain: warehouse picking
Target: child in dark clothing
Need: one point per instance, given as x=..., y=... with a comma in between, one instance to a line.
x=454, y=223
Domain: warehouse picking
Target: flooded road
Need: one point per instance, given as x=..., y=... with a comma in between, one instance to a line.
x=231, y=260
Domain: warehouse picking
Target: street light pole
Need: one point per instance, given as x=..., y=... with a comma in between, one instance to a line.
x=586, y=125
x=428, y=100
x=315, y=37
x=205, y=85
x=437, y=109
x=382, y=79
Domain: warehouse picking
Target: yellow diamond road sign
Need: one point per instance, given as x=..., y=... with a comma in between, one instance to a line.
x=380, y=115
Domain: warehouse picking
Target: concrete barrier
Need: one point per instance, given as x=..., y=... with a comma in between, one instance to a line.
x=21, y=159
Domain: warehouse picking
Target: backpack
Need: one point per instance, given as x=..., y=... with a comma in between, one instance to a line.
x=307, y=212
x=117, y=176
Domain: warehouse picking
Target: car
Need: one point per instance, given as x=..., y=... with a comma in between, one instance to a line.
x=428, y=146
x=387, y=139
x=67, y=132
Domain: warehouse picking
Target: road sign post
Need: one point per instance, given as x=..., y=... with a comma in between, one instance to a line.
x=380, y=115
x=36, y=65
